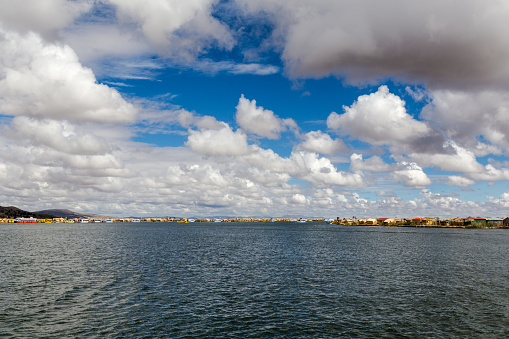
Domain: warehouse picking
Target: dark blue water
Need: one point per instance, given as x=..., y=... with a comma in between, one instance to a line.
x=244, y=280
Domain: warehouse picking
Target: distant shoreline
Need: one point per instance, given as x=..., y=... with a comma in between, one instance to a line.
x=465, y=223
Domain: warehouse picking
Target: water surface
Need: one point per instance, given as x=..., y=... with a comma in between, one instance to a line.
x=152, y=280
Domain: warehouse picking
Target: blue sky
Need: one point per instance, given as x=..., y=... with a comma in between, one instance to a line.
x=266, y=108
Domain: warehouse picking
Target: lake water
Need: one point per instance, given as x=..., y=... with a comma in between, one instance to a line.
x=242, y=280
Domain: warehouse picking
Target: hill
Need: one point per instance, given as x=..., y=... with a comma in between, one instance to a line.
x=14, y=212
x=68, y=214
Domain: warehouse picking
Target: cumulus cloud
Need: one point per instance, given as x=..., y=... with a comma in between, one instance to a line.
x=502, y=201
x=64, y=136
x=374, y=164
x=269, y=160
x=456, y=180
x=56, y=172
x=298, y=199
x=187, y=119
x=58, y=135
x=45, y=17
x=182, y=29
x=94, y=162
x=162, y=118
x=264, y=165
x=435, y=42
x=491, y=173
x=386, y=194
x=208, y=176
x=379, y=118
x=262, y=122
x=324, y=193
x=319, y=142
x=303, y=165
x=457, y=159
x=467, y=115
x=321, y=172
x=411, y=174
x=95, y=42
x=266, y=177
x=218, y=142
x=179, y=181
x=46, y=80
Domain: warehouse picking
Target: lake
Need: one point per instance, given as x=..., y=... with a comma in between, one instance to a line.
x=252, y=280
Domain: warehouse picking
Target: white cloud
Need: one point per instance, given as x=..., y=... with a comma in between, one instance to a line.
x=387, y=195
x=269, y=160
x=502, y=201
x=160, y=118
x=46, y=80
x=456, y=159
x=456, y=180
x=218, y=142
x=93, y=162
x=188, y=119
x=182, y=29
x=411, y=174
x=94, y=42
x=51, y=174
x=58, y=135
x=319, y=142
x=491, y=173
x=257, y=120
x=64, y=137
x=206, y=175
x=324, y=193
x=379, y=118
x=266, y=177
x=466, y=115
x=213, y=67
x=45, y=17
x=418, y=94
x=451, y=206
x=303, y=165
x=177, y=181
x=321, y=172
x=298, y=199
x=374, y=164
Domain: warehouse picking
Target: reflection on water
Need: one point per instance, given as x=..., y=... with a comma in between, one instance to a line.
x=251, y=280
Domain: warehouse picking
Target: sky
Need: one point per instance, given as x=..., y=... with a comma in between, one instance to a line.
x=261, y=108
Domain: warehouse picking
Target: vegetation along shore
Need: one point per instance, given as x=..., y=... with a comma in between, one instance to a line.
x=15, y=215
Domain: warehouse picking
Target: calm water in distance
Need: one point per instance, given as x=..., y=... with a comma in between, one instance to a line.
x=252, y=280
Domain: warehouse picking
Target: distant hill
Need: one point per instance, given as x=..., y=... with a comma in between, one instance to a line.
x=14, y=212
x=68, y=214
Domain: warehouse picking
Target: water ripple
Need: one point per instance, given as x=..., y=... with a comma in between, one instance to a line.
x=251, y=280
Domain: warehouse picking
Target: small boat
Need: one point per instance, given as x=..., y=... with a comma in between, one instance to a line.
x=218, y=220
x=135, y=220
x=25, y=220
x=108, y=220
x=84, y=221
x=191, y=220
x=301, y=220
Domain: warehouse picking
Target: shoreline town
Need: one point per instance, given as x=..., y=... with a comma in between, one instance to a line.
x=469, y=222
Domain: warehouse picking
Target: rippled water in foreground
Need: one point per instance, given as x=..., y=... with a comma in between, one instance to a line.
x=252, y=280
